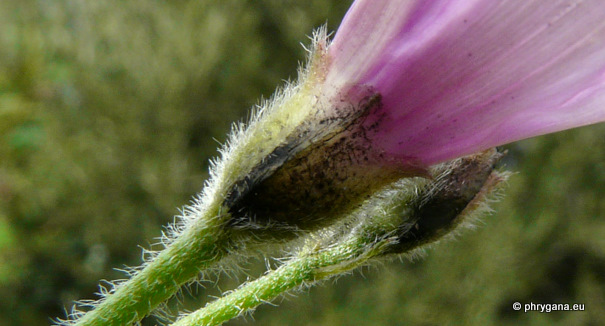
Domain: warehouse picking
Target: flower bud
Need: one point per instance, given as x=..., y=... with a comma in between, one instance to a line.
x=458, y=193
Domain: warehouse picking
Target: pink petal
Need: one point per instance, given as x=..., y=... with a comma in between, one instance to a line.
x=457, y=77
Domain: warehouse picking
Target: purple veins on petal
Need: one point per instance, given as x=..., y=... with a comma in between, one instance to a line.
x=457, y=77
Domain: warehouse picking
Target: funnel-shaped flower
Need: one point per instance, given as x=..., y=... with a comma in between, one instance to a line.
x=459, y=76
x=406, y=84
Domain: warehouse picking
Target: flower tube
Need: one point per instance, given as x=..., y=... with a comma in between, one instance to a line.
x=457, y=77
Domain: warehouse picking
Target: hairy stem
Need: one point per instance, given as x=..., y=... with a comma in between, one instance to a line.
x=179, y=263
x=398, y=220
x=306, y=268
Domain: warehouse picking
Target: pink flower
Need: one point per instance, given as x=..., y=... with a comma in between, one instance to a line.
x=457, y=77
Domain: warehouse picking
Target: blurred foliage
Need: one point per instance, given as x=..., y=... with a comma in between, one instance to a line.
x=110, y=110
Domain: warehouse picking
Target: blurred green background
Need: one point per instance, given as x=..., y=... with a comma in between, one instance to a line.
x=110, y=110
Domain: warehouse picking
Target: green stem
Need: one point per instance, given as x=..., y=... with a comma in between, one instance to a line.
x=308, y=267
x=180, y=262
